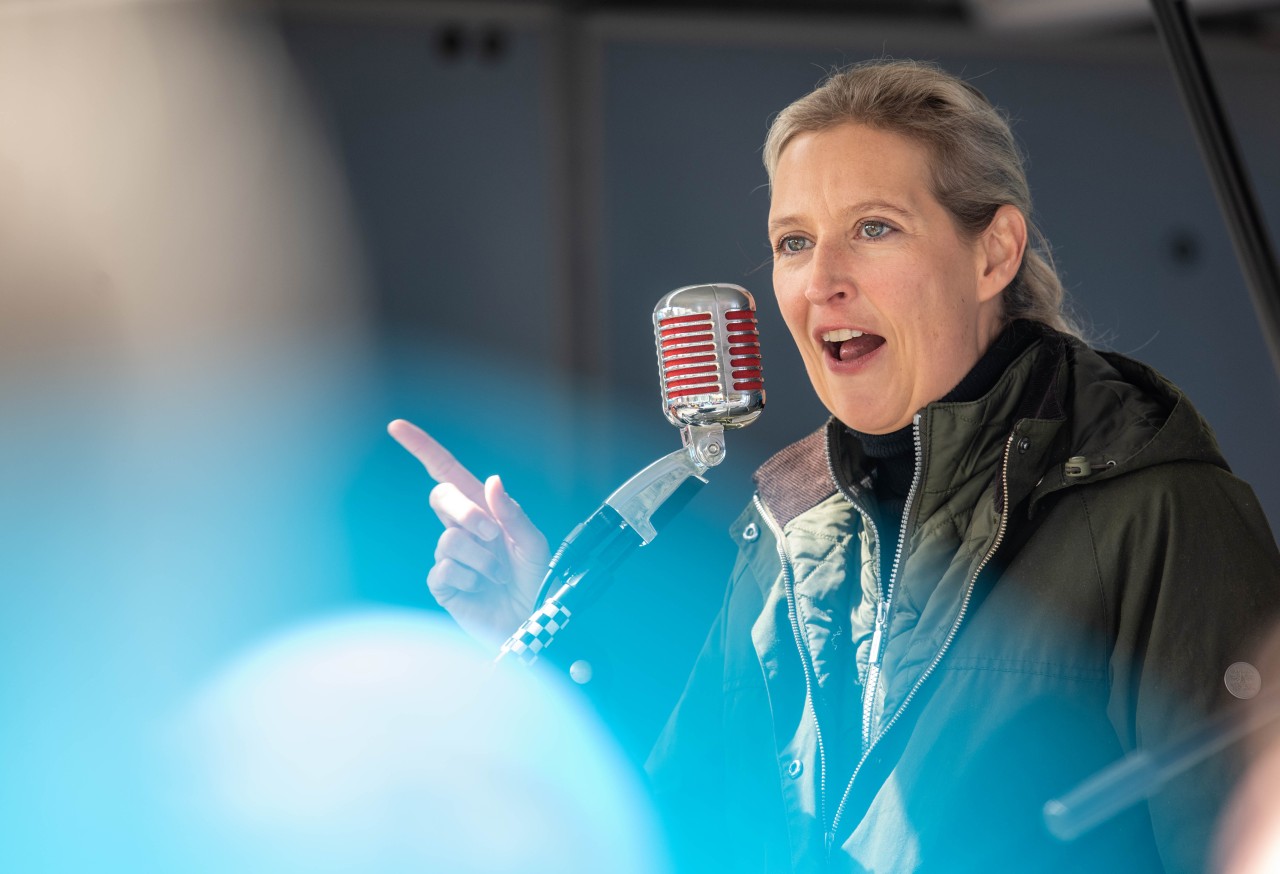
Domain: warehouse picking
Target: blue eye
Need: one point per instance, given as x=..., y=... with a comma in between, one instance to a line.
x=793, y=245
x=874, y=229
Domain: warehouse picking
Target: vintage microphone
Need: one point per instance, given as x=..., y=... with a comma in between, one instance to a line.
x=709, y=369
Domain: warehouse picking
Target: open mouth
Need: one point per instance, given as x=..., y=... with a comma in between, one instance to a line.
x=846, y=344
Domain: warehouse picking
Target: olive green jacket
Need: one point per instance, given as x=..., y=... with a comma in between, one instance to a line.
x=1079, y=569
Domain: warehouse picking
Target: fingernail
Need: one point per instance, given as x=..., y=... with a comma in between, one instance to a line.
x=488, y=530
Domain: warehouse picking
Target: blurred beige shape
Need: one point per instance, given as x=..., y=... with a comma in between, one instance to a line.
x=183, y=362
x=1248, y=839
x=165, y=204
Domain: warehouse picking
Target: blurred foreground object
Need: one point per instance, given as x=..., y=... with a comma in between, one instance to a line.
x=387, y=742
x=169, y=145
x=1248, y=839
x=183, y=370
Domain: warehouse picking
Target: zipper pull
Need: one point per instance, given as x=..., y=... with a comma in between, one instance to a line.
x=877, y=637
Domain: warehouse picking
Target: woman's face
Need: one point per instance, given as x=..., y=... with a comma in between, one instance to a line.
x=889, y=305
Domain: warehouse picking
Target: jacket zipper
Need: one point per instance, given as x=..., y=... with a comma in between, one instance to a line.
x=788, y=577
x=885, y=604
x=946, y=644
x=869, y=523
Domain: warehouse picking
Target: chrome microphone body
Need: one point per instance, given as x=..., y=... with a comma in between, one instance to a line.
x=709, y=356
x=710, y=374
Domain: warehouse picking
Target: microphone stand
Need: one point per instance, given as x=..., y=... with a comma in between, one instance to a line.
x=629, y=518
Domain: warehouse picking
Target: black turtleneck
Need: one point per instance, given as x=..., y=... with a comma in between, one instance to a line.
x=894, y=453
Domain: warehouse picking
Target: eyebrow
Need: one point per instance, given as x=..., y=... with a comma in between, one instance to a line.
x=863, y=206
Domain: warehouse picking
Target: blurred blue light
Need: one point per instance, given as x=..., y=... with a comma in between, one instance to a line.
x=384, y=741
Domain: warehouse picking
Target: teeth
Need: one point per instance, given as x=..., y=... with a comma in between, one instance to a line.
x=840, y=335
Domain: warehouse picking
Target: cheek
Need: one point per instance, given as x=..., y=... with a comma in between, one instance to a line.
x=791, y=302
x=905, y=294
x=934, y=305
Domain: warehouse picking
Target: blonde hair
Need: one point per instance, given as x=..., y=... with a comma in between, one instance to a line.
x=977, y=165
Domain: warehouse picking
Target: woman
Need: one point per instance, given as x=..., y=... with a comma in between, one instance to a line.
x=1006, y=560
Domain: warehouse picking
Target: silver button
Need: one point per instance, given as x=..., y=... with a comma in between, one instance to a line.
x=750, y=533
x=581, y=672
x=795, y=769
x=1243, y=680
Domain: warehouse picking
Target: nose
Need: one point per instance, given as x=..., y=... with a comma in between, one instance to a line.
x=830, y=275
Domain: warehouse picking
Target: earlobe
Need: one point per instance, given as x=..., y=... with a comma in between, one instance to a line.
x=1004, y=242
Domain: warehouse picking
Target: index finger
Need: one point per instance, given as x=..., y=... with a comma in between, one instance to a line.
x=439, y=462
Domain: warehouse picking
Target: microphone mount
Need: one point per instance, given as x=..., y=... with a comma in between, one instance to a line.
x=629, y=518
x=643, y=497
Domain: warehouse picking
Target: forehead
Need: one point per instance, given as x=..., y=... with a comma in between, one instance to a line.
x=849, y=164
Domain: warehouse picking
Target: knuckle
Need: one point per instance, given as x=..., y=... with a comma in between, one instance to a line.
x=448, y=543
x=489, y=565
x=448, y=577
x=461, y=546
x=474, y=517
x=436, y=578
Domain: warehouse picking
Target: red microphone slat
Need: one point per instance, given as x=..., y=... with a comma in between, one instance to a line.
x=692, y=359
x=678, y=342
x=676, y=320
x=668, y=354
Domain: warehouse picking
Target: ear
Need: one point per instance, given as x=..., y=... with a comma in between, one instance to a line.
x=1000, y=250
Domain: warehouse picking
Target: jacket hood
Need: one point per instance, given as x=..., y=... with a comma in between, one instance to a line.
x=1124, y=415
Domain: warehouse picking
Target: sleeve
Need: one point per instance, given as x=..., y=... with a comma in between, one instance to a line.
x=1195, y=583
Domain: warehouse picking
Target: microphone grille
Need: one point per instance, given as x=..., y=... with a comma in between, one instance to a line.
x=744, y=350
x=709, y=356
x=687, y=350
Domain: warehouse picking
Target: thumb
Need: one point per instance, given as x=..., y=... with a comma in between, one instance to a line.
x=526, y=539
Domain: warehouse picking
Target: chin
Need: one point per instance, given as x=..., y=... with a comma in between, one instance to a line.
x=863, y=424
x=864, y=417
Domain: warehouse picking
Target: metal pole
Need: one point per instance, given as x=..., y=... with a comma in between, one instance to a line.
x=1231, y=185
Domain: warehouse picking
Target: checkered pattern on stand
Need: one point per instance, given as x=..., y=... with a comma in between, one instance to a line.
x=537, y=632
